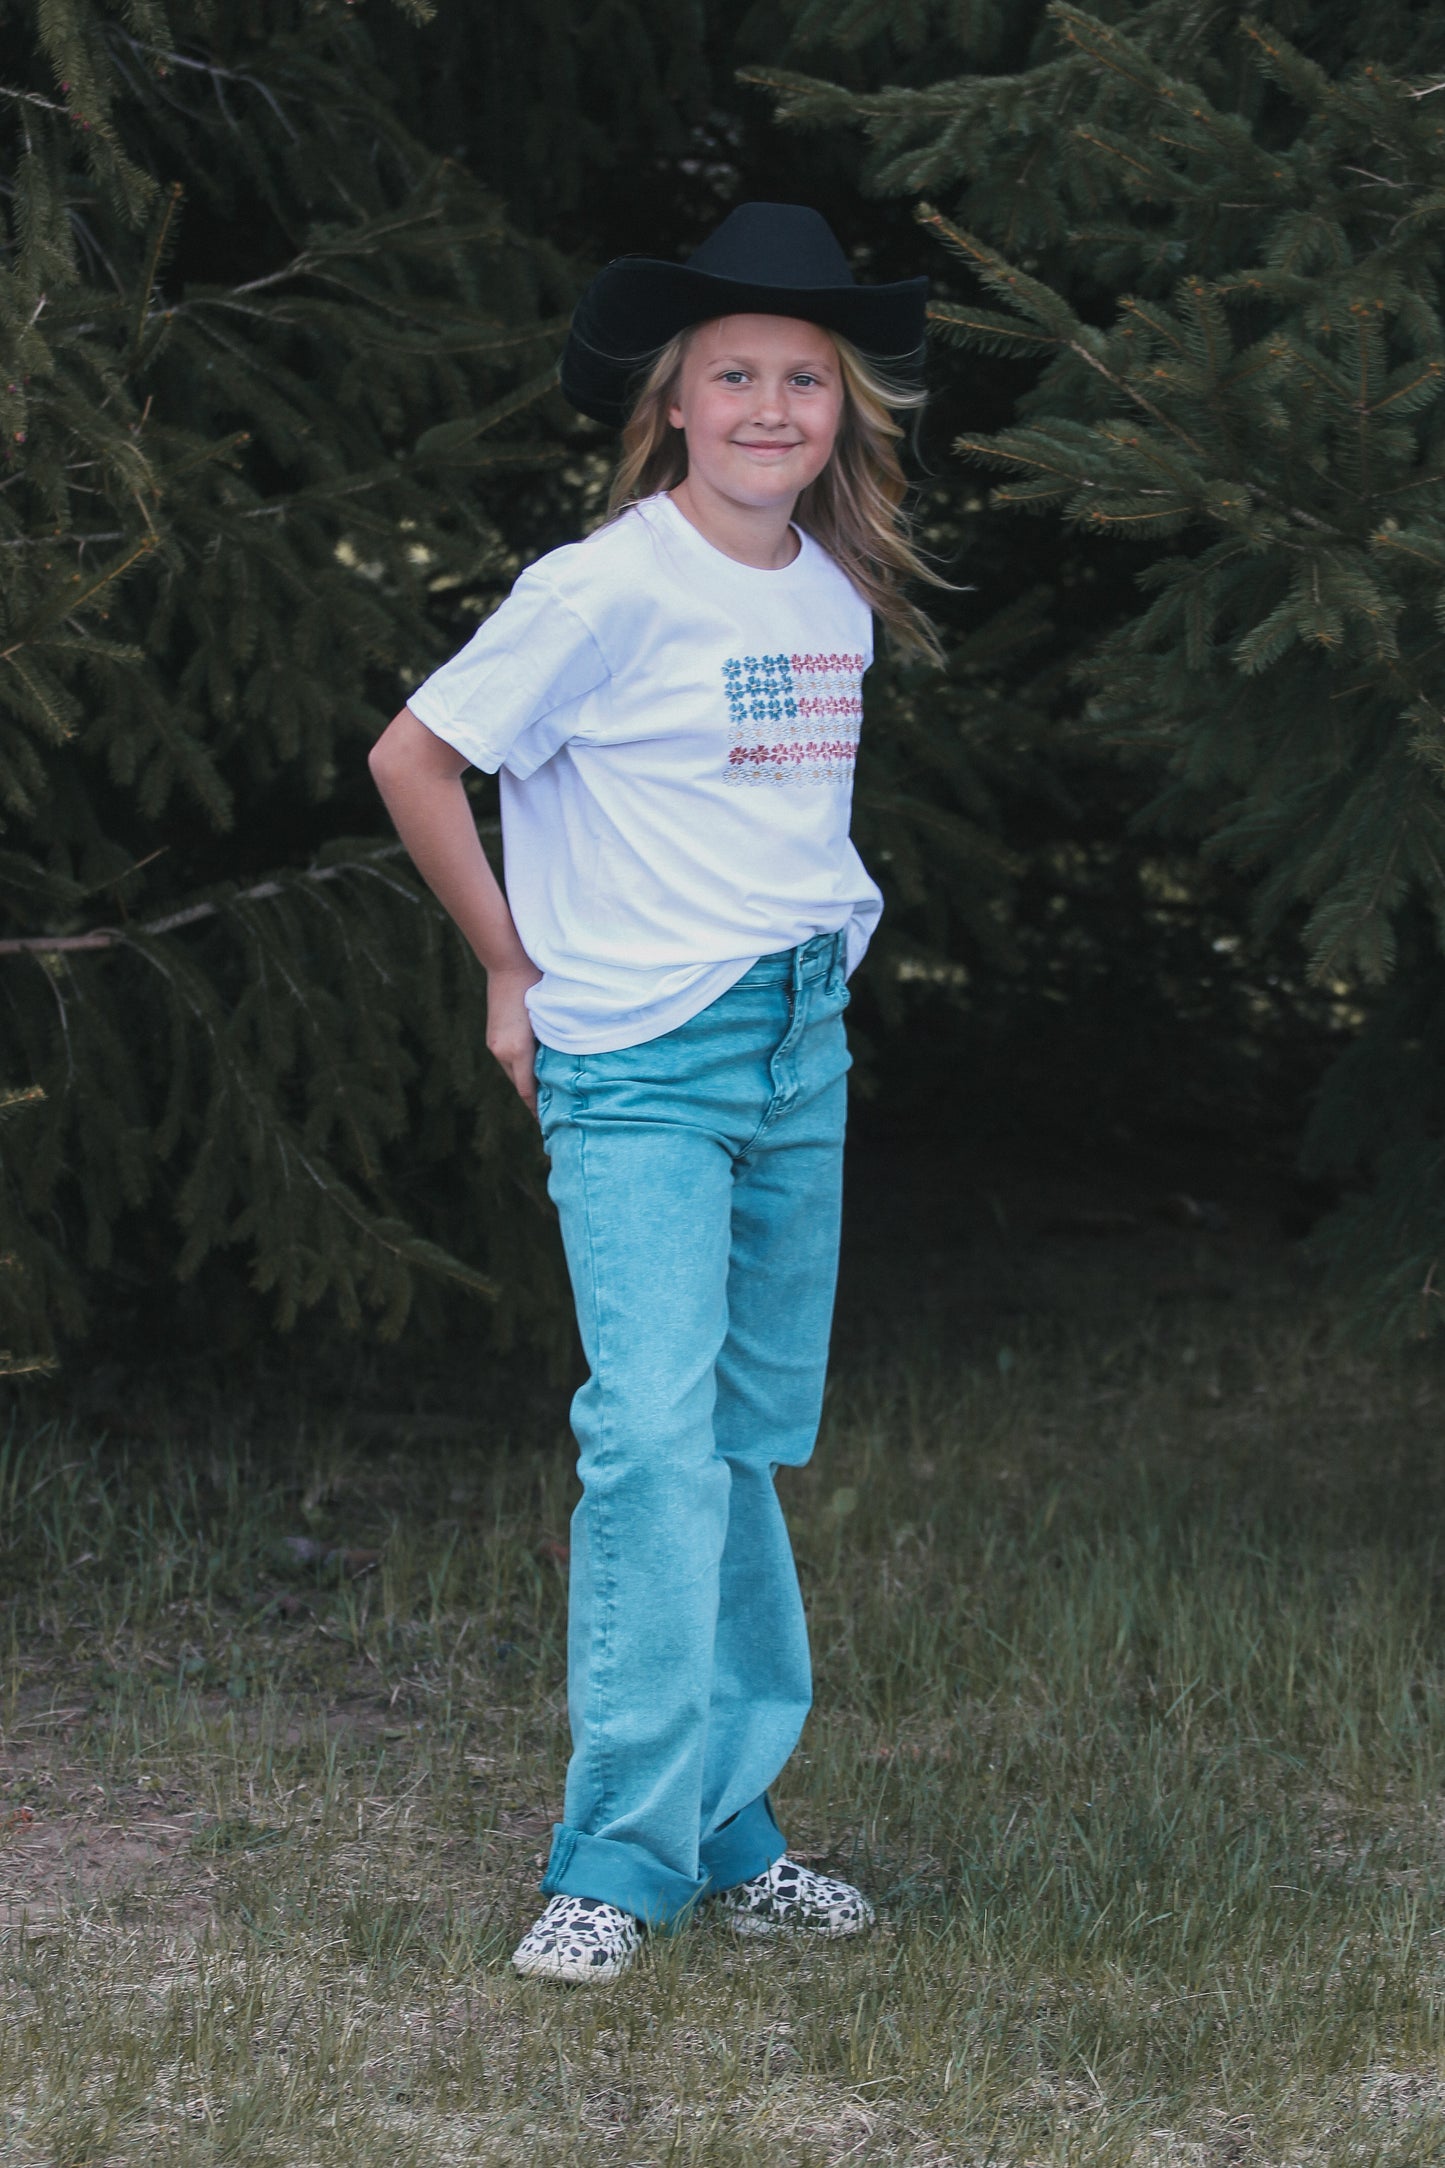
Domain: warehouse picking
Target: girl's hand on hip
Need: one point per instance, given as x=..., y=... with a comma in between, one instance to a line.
x=510, y=1037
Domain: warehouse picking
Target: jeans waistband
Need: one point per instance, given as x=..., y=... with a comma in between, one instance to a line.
x=815, y=959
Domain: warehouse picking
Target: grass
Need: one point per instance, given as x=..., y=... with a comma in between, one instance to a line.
x=1130, y=1679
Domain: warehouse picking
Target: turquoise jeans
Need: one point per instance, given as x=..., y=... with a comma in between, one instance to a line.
x=698, y=1179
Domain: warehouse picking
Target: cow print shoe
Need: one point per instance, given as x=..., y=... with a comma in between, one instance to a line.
x=789, y=1899
x=579, y=1939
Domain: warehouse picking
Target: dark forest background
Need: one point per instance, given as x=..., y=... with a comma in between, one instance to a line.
x=1163, y=849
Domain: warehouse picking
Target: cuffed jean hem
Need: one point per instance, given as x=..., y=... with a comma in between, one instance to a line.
x=620, y=1874
x=743, y=1847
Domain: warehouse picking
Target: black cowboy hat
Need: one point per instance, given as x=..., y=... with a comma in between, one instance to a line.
x=765, y=259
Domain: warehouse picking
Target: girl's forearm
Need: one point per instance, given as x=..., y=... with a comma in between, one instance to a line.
x=420, y=779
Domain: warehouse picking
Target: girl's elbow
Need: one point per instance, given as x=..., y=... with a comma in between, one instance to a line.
x=382, y=759
x=407, y=750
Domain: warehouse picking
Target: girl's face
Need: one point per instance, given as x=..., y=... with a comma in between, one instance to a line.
x=759, y=401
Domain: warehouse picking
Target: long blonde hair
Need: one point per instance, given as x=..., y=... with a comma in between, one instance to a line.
x=855, y=508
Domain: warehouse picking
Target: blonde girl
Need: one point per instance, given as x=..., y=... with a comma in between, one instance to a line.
x=673, y=707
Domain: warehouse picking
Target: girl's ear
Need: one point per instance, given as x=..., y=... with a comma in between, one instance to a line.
x=674, y=416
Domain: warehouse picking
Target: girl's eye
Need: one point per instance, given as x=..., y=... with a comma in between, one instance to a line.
x=803, y=378
x=734, y=376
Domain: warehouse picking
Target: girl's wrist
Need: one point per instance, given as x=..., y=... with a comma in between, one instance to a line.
x=519, y=968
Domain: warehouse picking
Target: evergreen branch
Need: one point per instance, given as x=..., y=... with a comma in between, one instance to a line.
x=1159, y=516
x=429, y=343
x=1425, y=549
x=1366, y=175
x=207, y=455
x=1029, y=495
x=374, y=237
x=346, y=489
x=1030, y=297
x=27, y=1366
x=30, y=1096
x=1114, y=150
x=81, y=540
x=57, y=608
x=151, y=271
x=1155, y=320
x=107, y=937
x=392, y=1236
x=989, y=450
x=327, y=271
x=1110, y=49
x=1406, y=489
x=1430, y=374
x=788, y=85
x=33, y=97
x=447, y=437
x=209, y=68
x=987, y=327
x=1122, y=157
x=378, y=238
x=1132, y=391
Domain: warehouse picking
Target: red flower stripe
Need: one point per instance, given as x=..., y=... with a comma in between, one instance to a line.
x=810, y=663
x=795, y=755
x=836, y=705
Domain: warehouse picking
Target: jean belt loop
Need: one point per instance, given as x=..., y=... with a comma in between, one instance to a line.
x=838, y=962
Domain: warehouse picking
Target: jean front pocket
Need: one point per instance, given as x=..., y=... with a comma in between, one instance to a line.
x=549, y=1071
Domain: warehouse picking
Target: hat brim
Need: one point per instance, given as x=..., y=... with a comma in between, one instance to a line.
x=637, y=304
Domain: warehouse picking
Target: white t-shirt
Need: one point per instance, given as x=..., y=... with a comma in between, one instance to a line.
x=676, y=735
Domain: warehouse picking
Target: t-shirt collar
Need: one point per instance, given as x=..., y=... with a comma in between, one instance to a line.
x=662, y=507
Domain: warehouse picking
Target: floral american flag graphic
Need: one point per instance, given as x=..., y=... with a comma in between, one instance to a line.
x=793, y=718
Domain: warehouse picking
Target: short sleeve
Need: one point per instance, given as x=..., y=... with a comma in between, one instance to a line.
x=509, y=697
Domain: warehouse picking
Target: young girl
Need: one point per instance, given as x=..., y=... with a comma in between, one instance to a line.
x=674, y=707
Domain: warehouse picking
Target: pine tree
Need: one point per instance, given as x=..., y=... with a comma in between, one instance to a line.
x=269, y=367
x=560, y=105
x=1218, y=256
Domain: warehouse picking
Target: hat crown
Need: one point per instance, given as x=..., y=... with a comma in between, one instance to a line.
x=774, y=244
